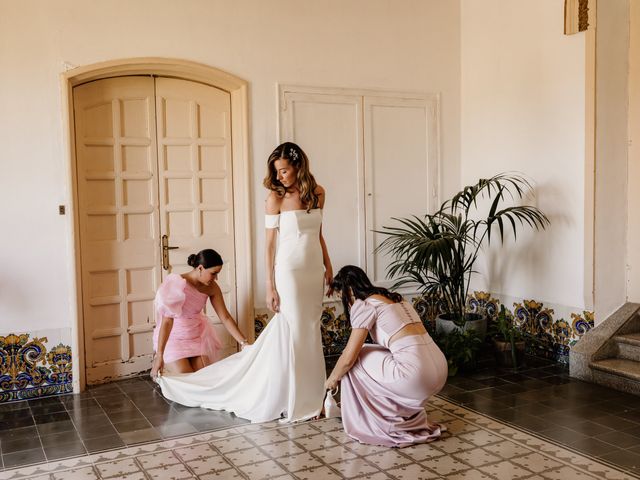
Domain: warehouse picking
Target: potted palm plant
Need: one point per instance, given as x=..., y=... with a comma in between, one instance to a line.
x=438, y=252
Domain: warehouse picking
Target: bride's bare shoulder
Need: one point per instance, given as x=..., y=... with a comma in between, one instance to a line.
x=322, y=195
x=273, y=203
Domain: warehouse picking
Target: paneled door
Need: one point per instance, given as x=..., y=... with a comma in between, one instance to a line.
x=329, y=130
x=196, y=183
x=376, y=153
x=136, y=150
x=401, y=176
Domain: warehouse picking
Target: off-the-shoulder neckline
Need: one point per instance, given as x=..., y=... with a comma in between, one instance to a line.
x=295, y=210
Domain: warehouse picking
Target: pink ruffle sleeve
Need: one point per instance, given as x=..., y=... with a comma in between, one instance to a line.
x=170, y=297
x=362, y=315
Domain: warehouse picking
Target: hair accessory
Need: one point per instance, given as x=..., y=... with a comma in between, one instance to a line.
x=293, y=154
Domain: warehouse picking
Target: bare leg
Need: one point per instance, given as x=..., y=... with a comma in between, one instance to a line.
x=197, y=363
x=182, y=365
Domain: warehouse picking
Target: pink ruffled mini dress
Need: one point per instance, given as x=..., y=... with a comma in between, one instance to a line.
x=192, y=334
x=385, y=393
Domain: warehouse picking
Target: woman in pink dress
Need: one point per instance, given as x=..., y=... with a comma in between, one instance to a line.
x=184, y=340
x=385, y=386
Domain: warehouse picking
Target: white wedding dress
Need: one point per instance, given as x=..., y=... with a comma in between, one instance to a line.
x=282, y=374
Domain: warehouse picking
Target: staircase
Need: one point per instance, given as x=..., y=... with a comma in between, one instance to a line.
x=611, y=352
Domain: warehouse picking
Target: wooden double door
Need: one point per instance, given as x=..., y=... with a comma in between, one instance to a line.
x=154, y=184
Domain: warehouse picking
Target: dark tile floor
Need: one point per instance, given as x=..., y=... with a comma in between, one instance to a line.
x=543, y=399
x=540, y=398
x=104, y=417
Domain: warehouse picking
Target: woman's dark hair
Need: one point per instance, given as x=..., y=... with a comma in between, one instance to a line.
x=296, y=157
x=353, y=278
x=207, y=258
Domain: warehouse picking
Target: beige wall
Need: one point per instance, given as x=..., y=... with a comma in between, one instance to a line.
x=523, y=109
x=402, y=45
x=612, y=63
x=633, y=238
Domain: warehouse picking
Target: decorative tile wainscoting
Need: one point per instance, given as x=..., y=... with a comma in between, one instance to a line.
x=556, y=334
x=32, y=367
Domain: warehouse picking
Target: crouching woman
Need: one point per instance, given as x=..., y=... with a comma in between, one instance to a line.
x=385, y=385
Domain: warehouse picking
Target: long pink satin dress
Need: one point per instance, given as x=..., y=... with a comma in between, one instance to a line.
x=192, y=334
x=385, y=393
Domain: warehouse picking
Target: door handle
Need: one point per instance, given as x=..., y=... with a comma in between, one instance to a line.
x=165, y=252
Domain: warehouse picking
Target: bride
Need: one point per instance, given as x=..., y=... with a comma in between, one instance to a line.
x=282, y=374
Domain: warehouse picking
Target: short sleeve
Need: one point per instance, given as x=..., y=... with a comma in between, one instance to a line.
x=362, y=315
x=271, y=221
x=170, y=296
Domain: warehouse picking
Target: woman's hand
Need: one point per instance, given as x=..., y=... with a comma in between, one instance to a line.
x=157, y=366
x=328, y=279
x=330, y=384
x=273, y=300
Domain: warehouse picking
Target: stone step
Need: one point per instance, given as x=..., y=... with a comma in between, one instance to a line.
x=618, y=373
x=628, y=346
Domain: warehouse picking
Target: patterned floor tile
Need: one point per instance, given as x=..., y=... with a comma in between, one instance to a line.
x=446, y=465
x=282, y=449
x=320, y=450
x=196, y=452
x=413, y=471
x=316, y=442
x=211, y=465
x=222, y=475
x=480, y=437
x=302, y=461
x=476, y=457
x=157, y=460
x=425, y=451
x=86, y=473
x=388, y=459
x=354, y=468
x=506, y=470
x=261, y=470
x=118, y=469
x=536, y=463
x=244, y=457
x=567, y=473
x=232, y=444
x=334, y=454
x=321, y=473
x=170, y=472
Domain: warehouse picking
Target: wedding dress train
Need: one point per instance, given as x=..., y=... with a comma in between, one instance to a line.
x=282, y=374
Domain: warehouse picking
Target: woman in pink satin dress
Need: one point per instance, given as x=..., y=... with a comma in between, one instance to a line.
x=184, y=339
x=385, y=386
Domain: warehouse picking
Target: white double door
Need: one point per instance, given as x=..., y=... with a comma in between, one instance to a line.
x=377, y=155
x=153, y=167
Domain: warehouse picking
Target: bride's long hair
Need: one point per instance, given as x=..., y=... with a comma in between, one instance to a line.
x=352, y=280
x=305, y=181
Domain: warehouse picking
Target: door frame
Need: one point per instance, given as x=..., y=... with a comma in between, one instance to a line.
x=186, y=70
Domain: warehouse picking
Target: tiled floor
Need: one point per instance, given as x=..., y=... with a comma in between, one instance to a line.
x=542, y=399
x=476, y=448
x=104, y=417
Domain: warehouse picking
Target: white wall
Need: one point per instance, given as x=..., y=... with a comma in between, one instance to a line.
x=612, y=63
x=400, y=45
x=523, y=109
x=633, y=238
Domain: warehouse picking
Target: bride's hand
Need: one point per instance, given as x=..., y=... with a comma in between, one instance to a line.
x=273, y=300
x=328, y=279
